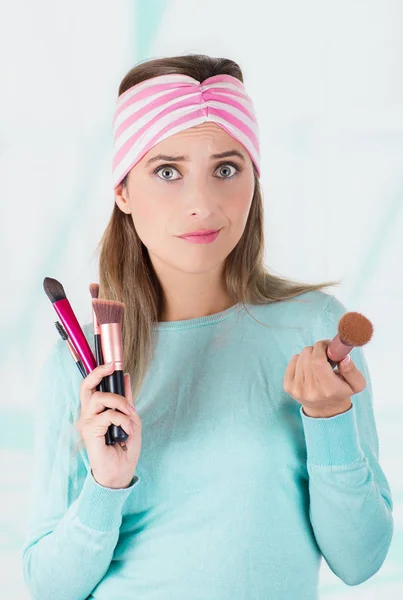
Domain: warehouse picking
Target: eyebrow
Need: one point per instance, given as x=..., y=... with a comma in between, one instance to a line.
x=186, y=158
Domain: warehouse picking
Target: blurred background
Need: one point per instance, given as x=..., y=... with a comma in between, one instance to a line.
x=324, y=77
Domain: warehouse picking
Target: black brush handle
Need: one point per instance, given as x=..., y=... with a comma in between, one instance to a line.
x=116, y=384
x=103, y=385
x=81, y=368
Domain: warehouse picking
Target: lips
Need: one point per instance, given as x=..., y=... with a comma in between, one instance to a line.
x=200, y=232
x=199, y=238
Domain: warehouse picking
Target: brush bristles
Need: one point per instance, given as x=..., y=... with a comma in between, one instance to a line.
x=355, y=329
x=108, y=311
x=94, y=290
x=54, y=289
x=61, y=330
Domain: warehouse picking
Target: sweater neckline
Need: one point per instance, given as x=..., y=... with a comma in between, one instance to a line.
x=198, y=321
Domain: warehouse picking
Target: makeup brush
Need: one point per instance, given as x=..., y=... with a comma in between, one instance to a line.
x=94, y=291
x=65, y=337
x=353, y=330
x=109, y=314
x=103, y=385
x=56, y=294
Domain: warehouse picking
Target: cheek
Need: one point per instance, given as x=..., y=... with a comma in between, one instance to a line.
x=238, y=210
x=150, y=223
x=238, y=197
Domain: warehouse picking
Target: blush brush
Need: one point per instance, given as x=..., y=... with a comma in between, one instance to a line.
x=353, y=330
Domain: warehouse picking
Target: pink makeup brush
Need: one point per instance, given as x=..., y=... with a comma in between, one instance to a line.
x=56, y=294
x=353, y=330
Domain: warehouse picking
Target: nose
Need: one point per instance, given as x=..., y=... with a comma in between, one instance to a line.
x=200, y=198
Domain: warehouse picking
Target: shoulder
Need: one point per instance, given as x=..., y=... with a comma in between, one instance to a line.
x=302, y=317
x=304, y=309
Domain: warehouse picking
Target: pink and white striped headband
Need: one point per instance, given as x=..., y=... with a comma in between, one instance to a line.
x=154, y=109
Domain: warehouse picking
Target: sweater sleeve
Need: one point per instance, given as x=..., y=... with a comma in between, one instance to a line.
x=73, y=522
x=350, y=498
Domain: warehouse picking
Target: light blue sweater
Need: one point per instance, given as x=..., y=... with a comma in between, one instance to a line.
x=239, y=494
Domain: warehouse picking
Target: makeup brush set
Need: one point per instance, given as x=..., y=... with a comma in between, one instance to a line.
x=107, y=321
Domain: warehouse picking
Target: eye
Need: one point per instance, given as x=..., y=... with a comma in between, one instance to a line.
x=166, y=171
x=225, y=170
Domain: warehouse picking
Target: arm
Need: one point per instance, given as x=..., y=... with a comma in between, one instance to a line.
x=73, y=522
x=350, y=499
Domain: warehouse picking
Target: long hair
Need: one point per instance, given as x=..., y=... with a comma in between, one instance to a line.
x=126, y=273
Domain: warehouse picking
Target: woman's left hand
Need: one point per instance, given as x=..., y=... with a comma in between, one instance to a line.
x=322, y=392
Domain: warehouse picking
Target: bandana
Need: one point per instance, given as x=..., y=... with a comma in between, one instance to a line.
x=154, y=109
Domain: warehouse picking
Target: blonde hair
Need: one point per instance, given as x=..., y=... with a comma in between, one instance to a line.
x=126, y=273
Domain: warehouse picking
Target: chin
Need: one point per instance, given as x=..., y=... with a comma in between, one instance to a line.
x=197, y=266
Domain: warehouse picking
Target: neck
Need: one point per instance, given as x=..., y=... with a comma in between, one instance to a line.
x=192, y=295
x=193, y=308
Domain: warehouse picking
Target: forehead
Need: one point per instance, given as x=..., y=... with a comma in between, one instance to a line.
x=207, y=133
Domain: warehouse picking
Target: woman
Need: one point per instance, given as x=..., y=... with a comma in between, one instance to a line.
x=248, y=457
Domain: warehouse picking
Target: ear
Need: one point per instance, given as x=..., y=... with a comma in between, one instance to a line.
x=121, y=198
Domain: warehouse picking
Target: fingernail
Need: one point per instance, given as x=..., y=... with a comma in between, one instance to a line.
x=131, y=408
x=107, y=365
x=346, y=360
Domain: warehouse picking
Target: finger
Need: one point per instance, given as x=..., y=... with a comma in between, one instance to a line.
x=289, y=374
x=321, y=368
x=301, y=366
x=100, y=423
x=310, y=381
x=319, y=354
x=89, y=383
x=103, y=400
x=324, y=374
x=352, y=376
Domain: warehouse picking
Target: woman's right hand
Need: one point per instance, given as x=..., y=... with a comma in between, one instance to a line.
x=112, y=466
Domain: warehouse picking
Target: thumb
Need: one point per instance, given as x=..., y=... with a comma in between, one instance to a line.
x=351, y=374
x=346, y=364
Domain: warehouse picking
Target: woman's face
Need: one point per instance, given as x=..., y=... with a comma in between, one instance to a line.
x=186, y=190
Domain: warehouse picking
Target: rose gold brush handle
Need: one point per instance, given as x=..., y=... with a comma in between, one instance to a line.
x=112, y=351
